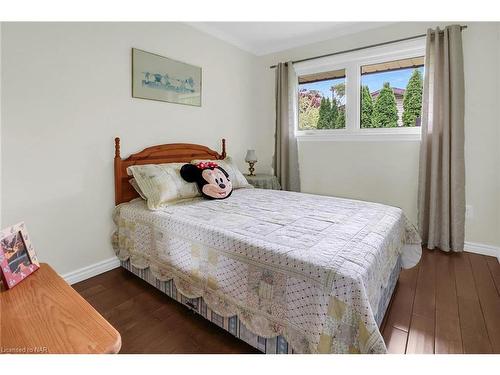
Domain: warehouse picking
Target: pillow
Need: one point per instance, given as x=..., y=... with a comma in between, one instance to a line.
x=162, y=184
x=136, y=187
x=235, y=176
x=212, y=180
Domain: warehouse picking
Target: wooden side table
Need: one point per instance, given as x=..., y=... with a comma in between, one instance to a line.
x=43, y=314
x=264, y=181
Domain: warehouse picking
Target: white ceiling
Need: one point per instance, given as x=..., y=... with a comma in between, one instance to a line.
x=261, y=38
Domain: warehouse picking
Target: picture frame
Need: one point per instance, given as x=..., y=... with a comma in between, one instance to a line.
x=17, y=255
x=160, y=78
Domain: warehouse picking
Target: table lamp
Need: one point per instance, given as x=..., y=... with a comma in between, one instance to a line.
x=251, y=159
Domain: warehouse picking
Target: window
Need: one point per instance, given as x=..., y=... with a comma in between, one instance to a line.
x=391, y=93
x=322, y=100
x=374, y=93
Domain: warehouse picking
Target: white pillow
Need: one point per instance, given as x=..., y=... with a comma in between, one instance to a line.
x=162, y=184
x=235, y=176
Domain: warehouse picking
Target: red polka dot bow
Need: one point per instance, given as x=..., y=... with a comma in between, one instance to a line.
x=207, y=164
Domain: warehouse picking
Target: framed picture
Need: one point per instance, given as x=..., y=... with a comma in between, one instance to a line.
x=157, y=77
x=17, y=256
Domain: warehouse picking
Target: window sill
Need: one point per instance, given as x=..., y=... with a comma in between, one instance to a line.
x=362, y=135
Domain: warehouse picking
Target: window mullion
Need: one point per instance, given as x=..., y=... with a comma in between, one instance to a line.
x=352, y=97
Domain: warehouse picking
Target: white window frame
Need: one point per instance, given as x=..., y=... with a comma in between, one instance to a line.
x=352, y=63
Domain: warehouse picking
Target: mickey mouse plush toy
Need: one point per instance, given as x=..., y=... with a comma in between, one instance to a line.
x=213, y=181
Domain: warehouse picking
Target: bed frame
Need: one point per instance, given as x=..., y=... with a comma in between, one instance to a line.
x=124, y=192
x=167, y=153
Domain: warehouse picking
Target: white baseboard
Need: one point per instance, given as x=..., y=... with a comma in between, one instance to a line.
x=92, y=270
x=479, y=248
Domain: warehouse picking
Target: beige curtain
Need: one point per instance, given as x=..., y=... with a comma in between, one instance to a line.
x=441, y=194
x=286, y=163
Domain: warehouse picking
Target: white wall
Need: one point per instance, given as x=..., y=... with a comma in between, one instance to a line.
x=1, y=125
x=384, y=172
x=387, y=171
x=67, y=94
x=482, y=124
x=498, y=125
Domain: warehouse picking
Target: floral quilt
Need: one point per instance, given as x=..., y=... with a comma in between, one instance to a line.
x=310, y=268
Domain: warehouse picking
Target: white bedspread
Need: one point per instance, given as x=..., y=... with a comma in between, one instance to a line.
x=308, y=267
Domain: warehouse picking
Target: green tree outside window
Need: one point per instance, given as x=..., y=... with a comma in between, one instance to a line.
x=325, y=114
x=366, y=107
x=412, y=101
x=385, y=111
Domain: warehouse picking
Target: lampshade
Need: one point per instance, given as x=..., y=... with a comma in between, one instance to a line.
x=251, y=156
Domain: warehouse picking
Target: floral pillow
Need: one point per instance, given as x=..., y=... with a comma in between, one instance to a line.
x=162, y=184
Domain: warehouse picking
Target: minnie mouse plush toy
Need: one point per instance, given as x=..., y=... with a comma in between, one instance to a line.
x=213, y=181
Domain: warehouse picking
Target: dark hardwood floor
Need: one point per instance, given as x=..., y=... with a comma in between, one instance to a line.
x=449, y=303
x=151, y=322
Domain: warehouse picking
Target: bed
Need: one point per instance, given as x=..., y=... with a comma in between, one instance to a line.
x=286, y=272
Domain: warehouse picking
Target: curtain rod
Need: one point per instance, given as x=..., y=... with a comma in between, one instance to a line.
x=462, y=27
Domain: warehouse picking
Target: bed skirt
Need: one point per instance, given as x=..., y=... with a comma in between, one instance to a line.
x=273, y=345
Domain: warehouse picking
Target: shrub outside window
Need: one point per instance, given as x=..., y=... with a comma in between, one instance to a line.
x=322, y=101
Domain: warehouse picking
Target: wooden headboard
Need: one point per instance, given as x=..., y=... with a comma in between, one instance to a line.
x=169, y=153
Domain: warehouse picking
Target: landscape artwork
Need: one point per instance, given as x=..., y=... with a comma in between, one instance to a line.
x=157, y=77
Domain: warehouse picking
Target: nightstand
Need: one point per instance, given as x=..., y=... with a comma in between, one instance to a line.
x=264, y=181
